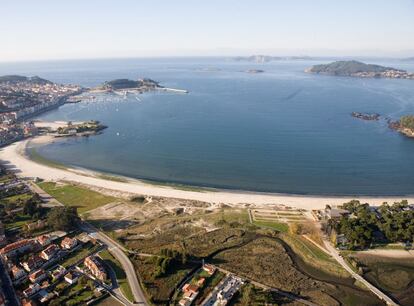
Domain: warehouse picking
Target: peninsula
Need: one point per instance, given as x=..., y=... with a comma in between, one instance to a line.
x=405, y=125
x=359, y=69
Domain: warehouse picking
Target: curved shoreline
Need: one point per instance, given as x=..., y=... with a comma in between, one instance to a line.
x=15, y=157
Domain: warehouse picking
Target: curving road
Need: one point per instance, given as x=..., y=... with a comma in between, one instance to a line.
x=335, y=254
x=116, y=251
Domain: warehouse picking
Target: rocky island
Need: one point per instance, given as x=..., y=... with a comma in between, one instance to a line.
x=255, y=71
x=366, y=116
x=359, y=69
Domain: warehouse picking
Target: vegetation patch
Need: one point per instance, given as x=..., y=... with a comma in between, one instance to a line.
x=160, y=288
x=70, y=195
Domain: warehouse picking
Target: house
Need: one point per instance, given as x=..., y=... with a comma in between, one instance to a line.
x=58, y=273
x=38, y=276
x=29, y=303
x=70, y=278
x=209, y=269
x=39, y=224
x=335, y=213
x=32, y=263
x=31, y=290
x=17, y=273
x=49, y=252
x=201, y=281
x=184, y=302
x=16, y=248
x=44, y=240
x=69, y=243
x=45, y=296
x=190, y=288
x=96, y=268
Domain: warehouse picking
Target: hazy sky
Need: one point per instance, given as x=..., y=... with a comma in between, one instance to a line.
x=50, y=29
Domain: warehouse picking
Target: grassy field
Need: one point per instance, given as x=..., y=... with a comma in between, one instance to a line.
x=79, y=254
x=313, y=255
x=80, y=197
x=119, y=272
x=108, y=301
x=278, y=226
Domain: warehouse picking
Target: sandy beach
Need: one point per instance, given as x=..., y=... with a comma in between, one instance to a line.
x=13, y=156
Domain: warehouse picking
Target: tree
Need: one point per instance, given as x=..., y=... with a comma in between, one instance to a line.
x=62, y=218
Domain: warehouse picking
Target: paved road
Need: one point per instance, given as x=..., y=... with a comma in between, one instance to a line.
x=335, y=254
x=7, y=287
x=116, y=250
x=47, y=198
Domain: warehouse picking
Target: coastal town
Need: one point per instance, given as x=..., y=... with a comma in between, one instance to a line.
x=24, y=97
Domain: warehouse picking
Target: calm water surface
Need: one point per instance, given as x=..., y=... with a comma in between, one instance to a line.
x=279, y=131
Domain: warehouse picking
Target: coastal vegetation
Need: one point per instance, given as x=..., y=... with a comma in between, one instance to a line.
x=407, y=122
x=389, y=223
x=62, y=218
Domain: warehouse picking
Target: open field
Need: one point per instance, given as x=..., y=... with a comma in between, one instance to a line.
x=121, y=277
x=313, y=255
x=72, y=195
x=392, y=275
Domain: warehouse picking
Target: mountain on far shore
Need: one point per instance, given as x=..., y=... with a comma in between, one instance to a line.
x=19, y=78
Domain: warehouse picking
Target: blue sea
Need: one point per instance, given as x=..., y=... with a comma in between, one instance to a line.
x=278, y=131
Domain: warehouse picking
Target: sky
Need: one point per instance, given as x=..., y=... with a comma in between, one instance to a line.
x=50, y=29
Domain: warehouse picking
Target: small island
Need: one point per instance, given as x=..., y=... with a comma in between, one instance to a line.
x=60, y=129
x=139, y=86
x=359, y=69
x=366, y=116
x=254, y=71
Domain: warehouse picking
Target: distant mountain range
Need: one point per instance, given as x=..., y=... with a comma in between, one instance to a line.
x=268, y=58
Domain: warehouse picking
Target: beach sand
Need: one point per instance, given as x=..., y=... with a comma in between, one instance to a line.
x=14, y=156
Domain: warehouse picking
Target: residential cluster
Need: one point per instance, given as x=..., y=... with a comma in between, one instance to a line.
x=224, y=291
x=392, y=74
x=22, y=97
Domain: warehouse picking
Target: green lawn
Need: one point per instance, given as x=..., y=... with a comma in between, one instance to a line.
x=19, y=221
x=79, y=254
x=279, y=226
x=120, y=273
x=84, y=199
